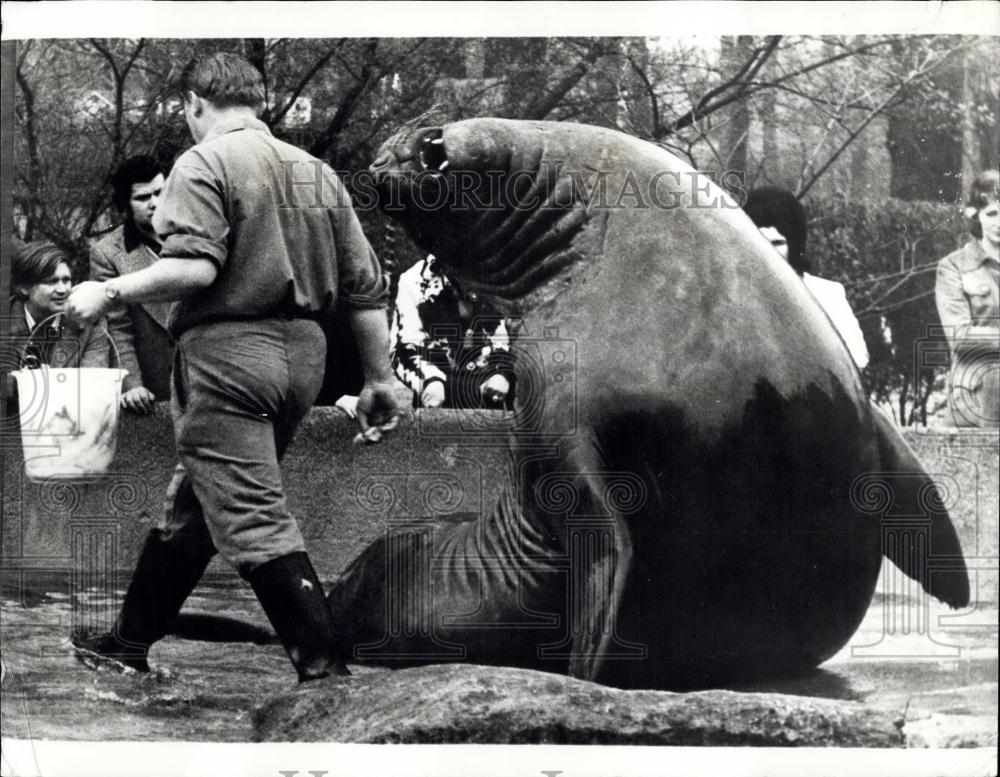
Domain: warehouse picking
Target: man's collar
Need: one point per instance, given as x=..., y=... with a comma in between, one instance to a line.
x=54, y=323
x=234, y=124
x=132, y=237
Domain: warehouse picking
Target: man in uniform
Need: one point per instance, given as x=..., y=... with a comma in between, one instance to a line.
x=139, y=330
x=259, y=242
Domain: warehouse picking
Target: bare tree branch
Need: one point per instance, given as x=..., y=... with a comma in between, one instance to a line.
x=926, y=67
x=133, y=57
x=348, y=105
x=33, y=179
x=654, y=103
x=736, y=82
x=743, y=90
x=545, y=103
x=272, y=120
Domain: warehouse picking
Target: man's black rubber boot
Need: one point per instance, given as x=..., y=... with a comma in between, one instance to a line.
x=162, y=581
x=292, y=597
x=106, y=650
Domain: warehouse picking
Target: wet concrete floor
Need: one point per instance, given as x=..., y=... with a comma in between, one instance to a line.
x=915, y=655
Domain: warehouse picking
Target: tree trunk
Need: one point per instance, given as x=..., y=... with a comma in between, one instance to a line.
x=769, y=127
x=33, y=212
x=327, y=142
x=970, y=143
x=255, y=50
x=859, y=169
x=903, y=389
x=985, y=75
x=925, y=396
x=735, y=53
x=634, y=106
x=545, y=103
x=475, y=58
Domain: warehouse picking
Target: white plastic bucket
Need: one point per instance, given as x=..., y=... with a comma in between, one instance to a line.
x=69, y=419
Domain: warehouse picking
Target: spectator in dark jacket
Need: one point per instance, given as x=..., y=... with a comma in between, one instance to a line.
x=140, y=329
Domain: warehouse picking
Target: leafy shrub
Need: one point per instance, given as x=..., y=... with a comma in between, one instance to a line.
x=885, y=252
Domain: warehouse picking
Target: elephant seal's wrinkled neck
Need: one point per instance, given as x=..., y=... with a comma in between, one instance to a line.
x=501, y=217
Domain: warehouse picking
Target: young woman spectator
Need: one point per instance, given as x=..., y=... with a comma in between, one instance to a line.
x=781, y=219
x=967, y=293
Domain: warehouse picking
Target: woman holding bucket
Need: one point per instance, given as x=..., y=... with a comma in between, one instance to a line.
x=41, y=280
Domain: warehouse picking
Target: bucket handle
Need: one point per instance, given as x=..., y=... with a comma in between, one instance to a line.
x=38, y=327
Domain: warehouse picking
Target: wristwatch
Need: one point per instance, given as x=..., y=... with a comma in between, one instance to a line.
x=111, y=291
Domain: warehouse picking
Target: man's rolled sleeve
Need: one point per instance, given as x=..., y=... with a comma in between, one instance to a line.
x=191, y=219
x=119, y=321
x=364, y=286
x=361, y=283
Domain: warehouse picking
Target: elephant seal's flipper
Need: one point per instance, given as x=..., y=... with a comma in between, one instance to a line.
x=603, y=587
x=917, y=494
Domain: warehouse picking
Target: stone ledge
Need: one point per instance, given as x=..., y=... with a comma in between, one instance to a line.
x=473, y=704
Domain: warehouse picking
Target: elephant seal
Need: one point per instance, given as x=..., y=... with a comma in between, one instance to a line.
x=683, y=504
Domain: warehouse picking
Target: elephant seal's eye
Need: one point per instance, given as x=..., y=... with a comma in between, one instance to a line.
x=432, y=153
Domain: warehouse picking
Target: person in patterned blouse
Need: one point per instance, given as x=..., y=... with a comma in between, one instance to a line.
x=446, y=350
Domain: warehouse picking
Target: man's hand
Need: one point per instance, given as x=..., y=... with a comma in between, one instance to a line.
x=139, y=400
x=348, y=405
x=87, y=302
x=377, y=409
x=433, y=394
x=494, y=390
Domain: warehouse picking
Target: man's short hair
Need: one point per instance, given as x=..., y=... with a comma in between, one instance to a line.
x=33, y=263
x=135, y=169
x=772, y=206
x=226, y=80
x=985, y=186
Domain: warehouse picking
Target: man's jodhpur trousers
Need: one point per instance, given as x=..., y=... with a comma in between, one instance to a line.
x=240, y=389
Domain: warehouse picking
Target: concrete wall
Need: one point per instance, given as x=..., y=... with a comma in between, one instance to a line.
x=342, y=494
x=345, y=495
x=965, y=466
